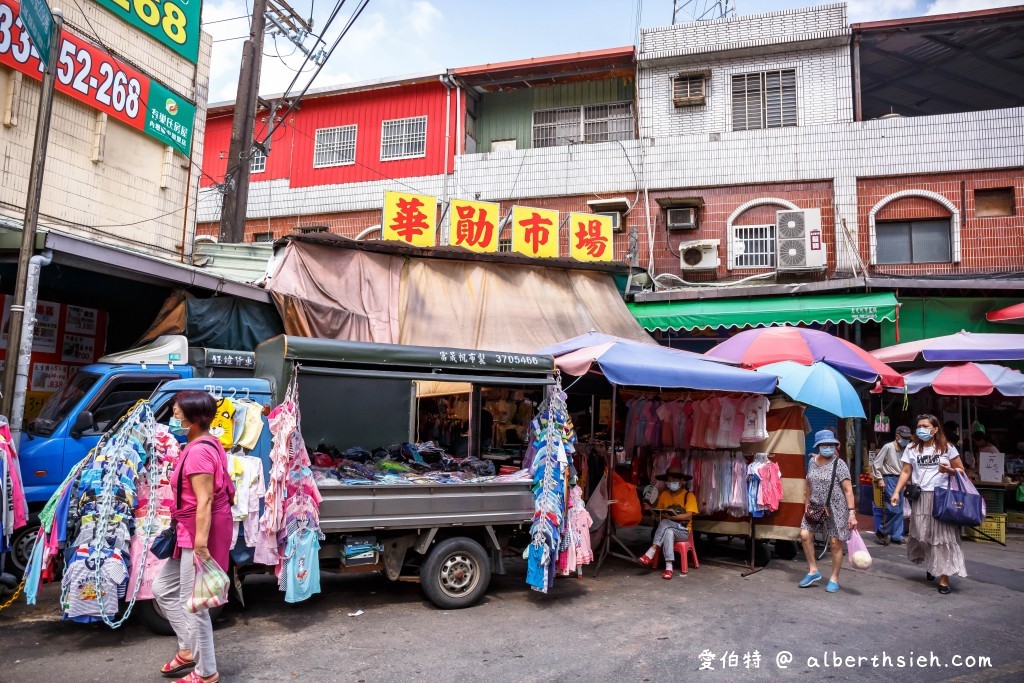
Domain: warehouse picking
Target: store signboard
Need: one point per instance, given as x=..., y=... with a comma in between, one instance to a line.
x=410, y=219
x=535, y=232
x=36, y=17
x=175, y=23
x=44, y=338
x=590, y=237
x=90, y=75
x=474, y=225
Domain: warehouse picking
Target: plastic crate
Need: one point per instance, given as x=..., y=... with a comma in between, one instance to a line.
x=995, y=500
x=1015, y=520
x=994, y=526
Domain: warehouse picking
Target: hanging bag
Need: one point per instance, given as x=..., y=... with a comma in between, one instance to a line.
x=856, y=552
x=210, y=588
x=164, y=544
x=815, y=513
x=961, y=505
x=626, y=510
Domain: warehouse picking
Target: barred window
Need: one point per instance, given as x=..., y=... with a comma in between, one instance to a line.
x=764, y=100
x=588, y=123
x=257, y=160
x=404, y=138
x=335, y=146
x=753, y=246
x=263, y=237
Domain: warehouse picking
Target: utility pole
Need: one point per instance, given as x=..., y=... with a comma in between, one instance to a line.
x=236, y=180
x=35, y=191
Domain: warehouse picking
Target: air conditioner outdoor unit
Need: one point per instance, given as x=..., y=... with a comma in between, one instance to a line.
x=682, y=219
x=616, y=219
x=799, y=241
x=699, y=255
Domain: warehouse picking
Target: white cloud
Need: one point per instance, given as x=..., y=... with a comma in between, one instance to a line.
x=877, y=10
x=950, y=6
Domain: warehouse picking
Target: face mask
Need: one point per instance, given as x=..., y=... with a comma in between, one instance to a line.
x=903, y=442
x=828, y=451
x=674, y=486
x=177, y=427
x=924, y=433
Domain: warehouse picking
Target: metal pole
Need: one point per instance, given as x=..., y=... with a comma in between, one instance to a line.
x=236, y=195
x=28, y=234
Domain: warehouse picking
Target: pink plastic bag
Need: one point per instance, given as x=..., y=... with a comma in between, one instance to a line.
x=211, y=586
x=857, y=555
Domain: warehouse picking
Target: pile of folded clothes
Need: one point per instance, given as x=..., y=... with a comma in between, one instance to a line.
x=401, y=464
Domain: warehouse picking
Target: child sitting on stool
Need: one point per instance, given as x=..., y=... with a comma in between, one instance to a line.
x=677, y=506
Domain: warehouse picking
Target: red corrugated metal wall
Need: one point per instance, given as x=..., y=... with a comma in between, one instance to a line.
x=292, y=148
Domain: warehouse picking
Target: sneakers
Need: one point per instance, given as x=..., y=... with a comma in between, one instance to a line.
x=832, y=587
x=810, y=580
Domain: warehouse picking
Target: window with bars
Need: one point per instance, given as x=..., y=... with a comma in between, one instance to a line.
x=505, y=245
x=263, y=237
x=403, y=138
x=689, y=90
x=335, y=146
x=907, y=242
x=764, y=100
x=753, y=246
x=257, y=160
x=311, y=230
x=588, y=123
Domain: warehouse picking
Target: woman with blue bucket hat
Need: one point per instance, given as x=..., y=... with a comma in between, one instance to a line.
x=829, y=508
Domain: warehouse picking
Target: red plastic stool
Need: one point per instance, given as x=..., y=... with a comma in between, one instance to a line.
x=683, y=549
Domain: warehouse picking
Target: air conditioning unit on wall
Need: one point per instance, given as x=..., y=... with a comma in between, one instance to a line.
x=681, y=219
x=799, y=240
x=699, y=255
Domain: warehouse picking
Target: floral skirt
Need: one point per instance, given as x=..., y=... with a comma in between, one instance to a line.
x=934, y=543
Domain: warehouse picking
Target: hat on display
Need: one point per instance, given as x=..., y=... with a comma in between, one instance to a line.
x=903, y=431
x=825, y=436
x=675, y=470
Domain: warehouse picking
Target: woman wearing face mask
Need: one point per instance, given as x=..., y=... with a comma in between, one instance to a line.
x=827, y=472
x=202, y=511
x=677, y=507
x=927, y=463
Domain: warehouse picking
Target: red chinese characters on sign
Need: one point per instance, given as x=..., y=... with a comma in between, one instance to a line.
x=475, y=225
x=410, y=218
x=535, y=232
x=591, y=237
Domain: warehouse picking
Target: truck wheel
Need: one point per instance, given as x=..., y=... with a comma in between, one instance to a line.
x=21, y=545
x=456, y=573
x=785, y=550
x=154, y=619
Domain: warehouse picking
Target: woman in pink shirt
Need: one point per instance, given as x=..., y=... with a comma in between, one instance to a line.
x=202, y=512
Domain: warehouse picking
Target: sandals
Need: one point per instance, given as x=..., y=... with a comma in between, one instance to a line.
x=177, y=665
x=645, y=561
x=667, y=575
x=196, y=678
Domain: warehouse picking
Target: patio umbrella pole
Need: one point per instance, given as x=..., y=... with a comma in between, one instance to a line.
x=608, y=523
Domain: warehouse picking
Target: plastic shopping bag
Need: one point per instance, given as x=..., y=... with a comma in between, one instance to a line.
x=626, y=510
x=211, y=586
x=857, y=553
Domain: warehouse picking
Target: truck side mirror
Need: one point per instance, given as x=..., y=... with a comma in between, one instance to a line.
x=83, y=421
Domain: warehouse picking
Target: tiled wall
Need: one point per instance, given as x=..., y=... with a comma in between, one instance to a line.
x=987, y=244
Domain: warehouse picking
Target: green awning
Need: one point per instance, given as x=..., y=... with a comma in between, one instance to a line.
x=927, y=317
x=764, y=311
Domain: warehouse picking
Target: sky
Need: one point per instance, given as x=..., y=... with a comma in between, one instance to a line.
x=397, y=37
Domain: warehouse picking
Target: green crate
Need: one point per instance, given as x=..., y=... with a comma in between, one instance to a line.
x=995, y=500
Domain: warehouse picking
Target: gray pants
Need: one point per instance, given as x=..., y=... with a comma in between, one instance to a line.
x=172, y=589
x=667, y=535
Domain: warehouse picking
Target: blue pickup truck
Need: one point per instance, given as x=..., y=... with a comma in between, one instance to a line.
x=72, y=421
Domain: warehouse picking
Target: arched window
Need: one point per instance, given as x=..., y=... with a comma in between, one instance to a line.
x=753, y=246
x=911, y=241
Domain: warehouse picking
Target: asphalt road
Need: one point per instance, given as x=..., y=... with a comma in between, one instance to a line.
x=624, y=625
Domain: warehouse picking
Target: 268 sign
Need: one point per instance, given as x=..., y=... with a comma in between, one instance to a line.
x=90, y=75
x=175, y=23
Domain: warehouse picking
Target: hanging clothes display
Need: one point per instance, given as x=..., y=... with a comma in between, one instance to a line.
x=764, y=486
x=13, y=507
x=578, y=551
x=154, y=486
x=554, y=439
x=289, y=528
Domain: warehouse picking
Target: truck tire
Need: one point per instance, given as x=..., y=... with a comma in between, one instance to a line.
x=21, y=546
x=154, y=619
x=785, y=550
x=456, y=573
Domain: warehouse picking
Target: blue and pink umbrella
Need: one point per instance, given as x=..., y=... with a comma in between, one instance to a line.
x=960, y=347
x=966, y=379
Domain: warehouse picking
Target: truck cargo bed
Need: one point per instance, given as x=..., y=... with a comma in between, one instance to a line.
x=348, y=509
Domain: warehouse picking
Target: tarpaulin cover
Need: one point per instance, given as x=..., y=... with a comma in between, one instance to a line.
x=332, y=293
x=222, y=322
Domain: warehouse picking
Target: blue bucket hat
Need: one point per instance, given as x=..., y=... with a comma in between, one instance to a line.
x=825, y=436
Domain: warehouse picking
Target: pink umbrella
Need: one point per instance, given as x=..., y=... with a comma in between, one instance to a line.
x=1010, y=314
x=965, y=379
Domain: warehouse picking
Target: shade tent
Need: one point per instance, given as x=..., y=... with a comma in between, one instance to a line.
x=959, y=347
x=628, y=363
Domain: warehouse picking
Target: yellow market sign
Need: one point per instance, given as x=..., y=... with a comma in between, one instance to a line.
x=535, y=232
x=590, y=237
x=410, y=219
x=474, y=225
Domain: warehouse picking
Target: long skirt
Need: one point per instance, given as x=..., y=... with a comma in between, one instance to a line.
x=934, y=543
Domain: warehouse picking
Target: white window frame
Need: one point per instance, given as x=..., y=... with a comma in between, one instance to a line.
x=764, y=98
x=335, y=146
x=257, y=160
x=769, y=255
x=404, y=122
x=580, y=123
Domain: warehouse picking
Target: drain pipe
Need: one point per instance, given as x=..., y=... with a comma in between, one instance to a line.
x=24, y=358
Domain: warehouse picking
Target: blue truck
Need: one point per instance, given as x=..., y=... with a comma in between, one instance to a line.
x=72, y=421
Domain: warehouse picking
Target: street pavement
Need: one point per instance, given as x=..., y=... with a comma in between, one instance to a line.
x=626, y=625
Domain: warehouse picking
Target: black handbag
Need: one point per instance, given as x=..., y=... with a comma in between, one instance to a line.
x=815, y=513
x=912, y=492
x=166, y=541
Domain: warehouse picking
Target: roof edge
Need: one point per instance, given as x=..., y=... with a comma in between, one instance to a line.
x=993, y=12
